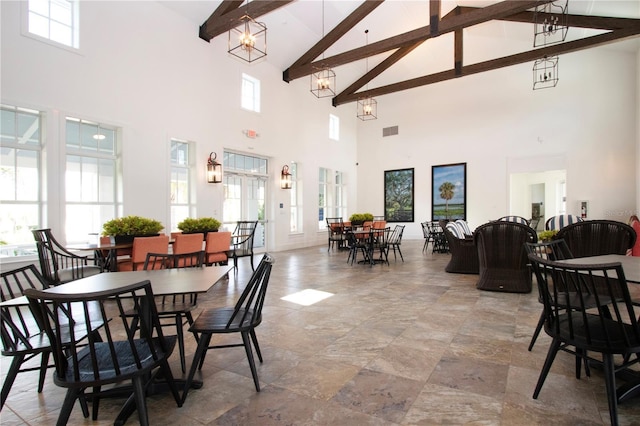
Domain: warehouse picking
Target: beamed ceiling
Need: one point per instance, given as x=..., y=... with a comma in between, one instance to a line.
x=388, y=52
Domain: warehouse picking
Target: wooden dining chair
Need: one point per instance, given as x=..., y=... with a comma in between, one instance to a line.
x=23, y=338
x=59, y=265
x=83, y=368
x=142, y=246
x=243, y=318
x=583, y=330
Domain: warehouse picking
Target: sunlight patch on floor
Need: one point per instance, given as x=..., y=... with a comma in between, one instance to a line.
x=307, y=297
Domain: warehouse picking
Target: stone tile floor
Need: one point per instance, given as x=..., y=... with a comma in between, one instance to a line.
x=404, y=344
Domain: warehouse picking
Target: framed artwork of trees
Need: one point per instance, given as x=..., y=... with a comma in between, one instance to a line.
x=449, y=191
x=398, y=195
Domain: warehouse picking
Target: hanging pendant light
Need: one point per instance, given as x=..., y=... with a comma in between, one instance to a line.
x=367, y=108
x=323, y=79
x=248, y=41
x=550, y=23
x=545, y=72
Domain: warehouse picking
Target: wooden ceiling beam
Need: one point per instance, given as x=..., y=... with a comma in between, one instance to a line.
x=451, y=23
x=377, y=70
x=577, y=21
x=434, y=16
x=494, y=64
x=334, y=35
x=227, y=15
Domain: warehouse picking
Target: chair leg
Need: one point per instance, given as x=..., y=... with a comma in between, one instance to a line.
x=252, y=267
x=196, y=364
x=180, y=335
x=247, y=348
x=399, y=252
x=67, y=406
x=165, y=369
x=44, y=362
x=254, y=338
x=141, y=403
x=95, y=406
x=553, y=350
x=537, y=332
x=11, y=377
x=610, y=382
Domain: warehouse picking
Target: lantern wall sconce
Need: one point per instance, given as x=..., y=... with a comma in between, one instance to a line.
x=214, y=169
x=285, y=178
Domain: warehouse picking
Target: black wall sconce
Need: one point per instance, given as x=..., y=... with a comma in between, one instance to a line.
x=214, y=169
x=285, y=178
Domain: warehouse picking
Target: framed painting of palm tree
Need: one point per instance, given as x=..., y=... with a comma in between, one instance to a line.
x=398, y=195
x=449, y=191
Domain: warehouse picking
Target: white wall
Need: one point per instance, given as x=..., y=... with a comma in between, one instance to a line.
x=487, y=120
x=143, y=68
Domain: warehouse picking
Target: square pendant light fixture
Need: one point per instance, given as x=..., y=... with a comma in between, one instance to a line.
x=248, y=41
x=367, y=109
x=550, y=23
x=545, y=73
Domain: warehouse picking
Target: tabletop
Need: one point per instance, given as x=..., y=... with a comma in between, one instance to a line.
x=163, y=282
x=630, y=264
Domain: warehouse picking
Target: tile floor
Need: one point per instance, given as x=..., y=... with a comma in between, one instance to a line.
x=404, y=344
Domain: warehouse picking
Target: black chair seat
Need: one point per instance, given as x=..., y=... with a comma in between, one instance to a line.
x=224, y=320
x=101, y=369
x=69, y=274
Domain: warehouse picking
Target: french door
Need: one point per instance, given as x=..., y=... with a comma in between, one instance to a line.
x=244, y=199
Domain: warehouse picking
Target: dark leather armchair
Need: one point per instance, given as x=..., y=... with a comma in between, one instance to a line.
x=597, y=237
x=464, y=255
x=502, y=258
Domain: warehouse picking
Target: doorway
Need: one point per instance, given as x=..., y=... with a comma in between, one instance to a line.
x=245, y=192
x=538, y=195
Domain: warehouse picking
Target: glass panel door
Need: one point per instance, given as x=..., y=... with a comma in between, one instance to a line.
x=244, y=199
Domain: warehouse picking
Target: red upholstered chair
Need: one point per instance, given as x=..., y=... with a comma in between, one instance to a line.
x=187, y=243
x=142, y=246
x=216, y=247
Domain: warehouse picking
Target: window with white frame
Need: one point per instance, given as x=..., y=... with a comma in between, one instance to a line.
x=323, y=197
x=250, y=96
x=55, y=20
x=182, y=200
x=91, y=178
x=20, y=179
x=295, y=221
x=340, y=195
x=332, y=201
x=334, y=127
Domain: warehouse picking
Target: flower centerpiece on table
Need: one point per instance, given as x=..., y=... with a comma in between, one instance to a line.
x=124, y=229
x=201, y=224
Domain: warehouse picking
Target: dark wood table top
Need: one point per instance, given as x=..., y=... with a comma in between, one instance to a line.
x=163, y=282
x=630, y=264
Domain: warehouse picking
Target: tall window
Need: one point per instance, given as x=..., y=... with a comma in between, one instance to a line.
x=295, y=221
x=55, y=20
x=20, y=178
x=323, y=197
x=90, y=178
x=334, y=127
x=182, y=205
x=250, y=97
x=340, y=195
x=332, y=201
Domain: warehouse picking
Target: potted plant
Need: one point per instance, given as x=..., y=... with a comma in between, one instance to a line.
x=201, y=224
x=547, y=235
x=358, y=219
x=125, y=229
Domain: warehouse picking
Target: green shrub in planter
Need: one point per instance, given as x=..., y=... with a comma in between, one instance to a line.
x=132, y=225
x=202, y=224
x=360, y=218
